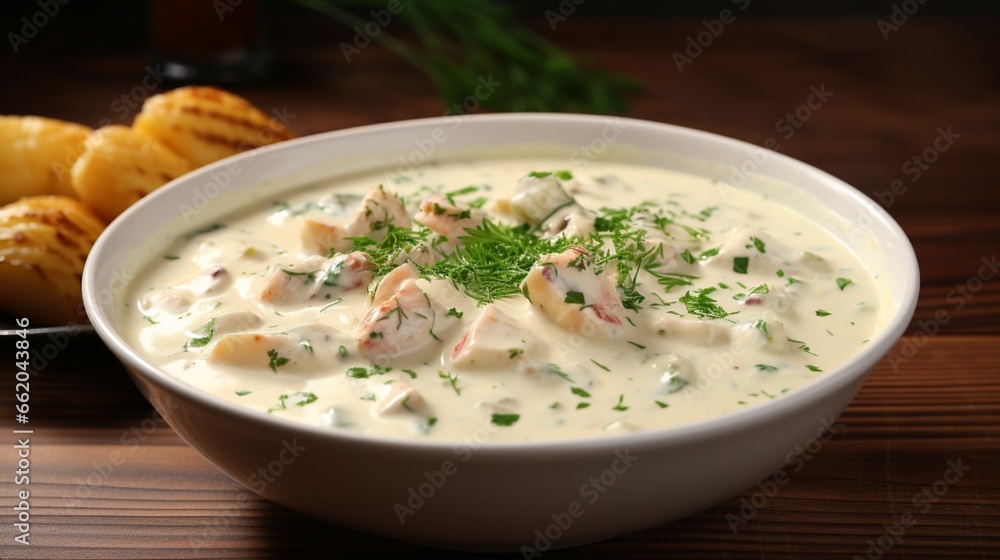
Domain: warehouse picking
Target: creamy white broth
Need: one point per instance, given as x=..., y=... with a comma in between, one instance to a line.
x=572, y=362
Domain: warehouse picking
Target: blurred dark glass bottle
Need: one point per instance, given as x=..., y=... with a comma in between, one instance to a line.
x=219, y=42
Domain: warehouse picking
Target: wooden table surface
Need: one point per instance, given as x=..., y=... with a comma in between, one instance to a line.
x=111, y=480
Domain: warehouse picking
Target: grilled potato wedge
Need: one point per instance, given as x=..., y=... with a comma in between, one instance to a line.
x=120, y=166
x=44, y=242
x=206, y=124
x=46, y=235
x=36, y=155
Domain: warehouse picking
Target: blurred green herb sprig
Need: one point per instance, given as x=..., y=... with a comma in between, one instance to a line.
x=461, y=42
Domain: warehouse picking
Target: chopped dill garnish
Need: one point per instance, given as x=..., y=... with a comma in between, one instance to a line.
x=802, y=345
x=554, y=368
x=280, y=405
x=705, y=255
x=202, y=336
x=504, y=419
x=299, y=398
x=302, y=398
x=398, y=241
x=203, y=231
x=561, y=174
x=276, y=360
x=494, y=260
x=759, y=289
x=703, y=306
x=363, y=373
x=464, y=190
x=574, y=297
x=620, y=407
x=451, y=378
x=600, y=365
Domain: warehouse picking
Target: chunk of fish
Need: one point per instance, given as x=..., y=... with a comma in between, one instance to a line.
x=402, y=325
x=495, y=340
x=539, y=199
x=317, y=279
x=447, y=219
x=307, y=348
x=566, y=287
x=181, y=298
x=390, y=283
x=698, y=331
x=378, y=210
x=401, y=398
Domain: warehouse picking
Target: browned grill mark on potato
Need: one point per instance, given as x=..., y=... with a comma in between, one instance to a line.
x=54, y=218
x=235, y=145
x=66, y=222
x=256, y=126
x=67, y=241
x=239, y=121
x=74, y=258
x=69, y=255
x=206, y=93
x=30, y=267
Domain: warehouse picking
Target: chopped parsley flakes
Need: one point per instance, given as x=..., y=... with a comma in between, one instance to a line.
x=276, y=360
x=504, y=419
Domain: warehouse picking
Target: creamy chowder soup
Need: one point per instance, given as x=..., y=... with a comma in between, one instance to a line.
x=523, y=296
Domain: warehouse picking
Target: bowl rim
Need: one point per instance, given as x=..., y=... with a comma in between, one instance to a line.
x=847, y=372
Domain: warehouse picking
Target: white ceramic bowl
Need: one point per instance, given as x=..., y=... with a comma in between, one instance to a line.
x=502, y=496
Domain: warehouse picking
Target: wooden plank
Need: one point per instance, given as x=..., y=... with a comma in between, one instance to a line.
x=94, y=496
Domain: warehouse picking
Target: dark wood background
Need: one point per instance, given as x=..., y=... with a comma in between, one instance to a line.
x=935, y=399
